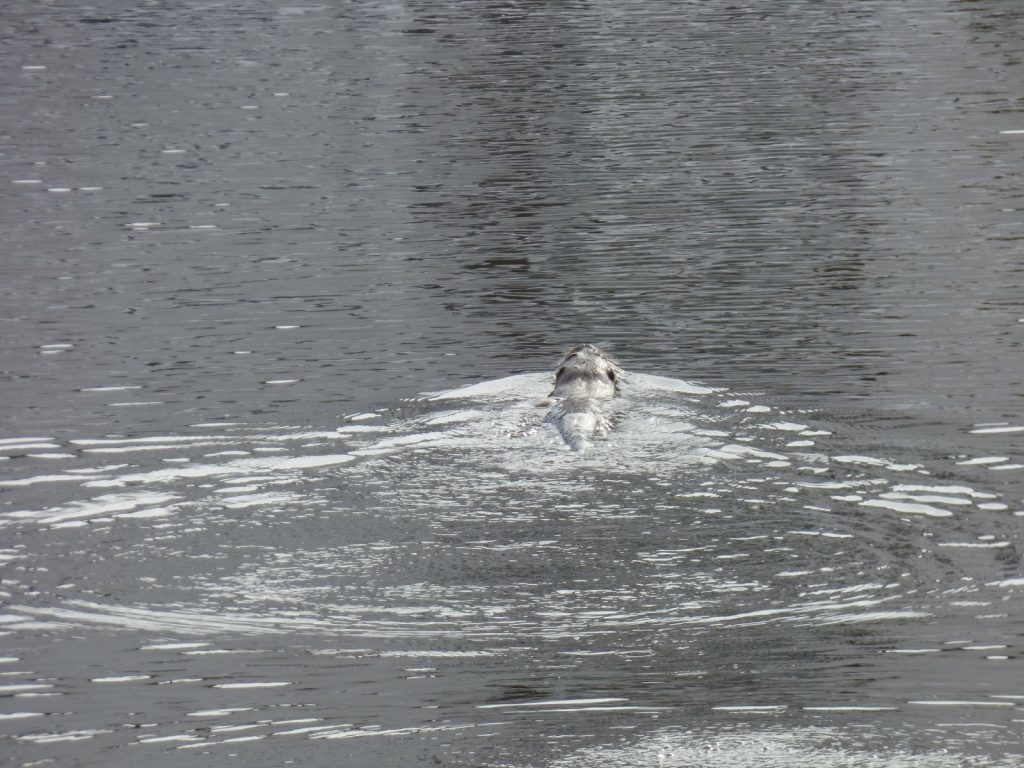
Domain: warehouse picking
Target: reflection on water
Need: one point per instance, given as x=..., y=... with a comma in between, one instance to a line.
x=243, y=238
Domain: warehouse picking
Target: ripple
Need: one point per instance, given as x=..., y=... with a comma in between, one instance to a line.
x=807, y=747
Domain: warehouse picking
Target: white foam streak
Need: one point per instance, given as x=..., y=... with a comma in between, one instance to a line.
x=1001, y=430
x=549, y=703
x=954, y=500
x=163, y=620
x=961, y=703
x=241, y=467
x=958, y=490
x=1007, y=583
x=6, y=442
x=907, y=508
x=53, y=738
x=274, y=684
x=354, y=734
x=97, y=507
x=166, y=739
x=38, y=479
x=982, y=460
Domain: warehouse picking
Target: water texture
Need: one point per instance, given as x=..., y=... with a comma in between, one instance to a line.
x=283, y=289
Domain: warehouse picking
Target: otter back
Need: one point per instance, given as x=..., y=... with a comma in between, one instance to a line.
x=577, y=420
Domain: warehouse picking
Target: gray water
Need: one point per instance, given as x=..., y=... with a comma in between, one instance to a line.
x=283, y=288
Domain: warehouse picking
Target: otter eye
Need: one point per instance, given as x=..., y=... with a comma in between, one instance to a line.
x=611, y=375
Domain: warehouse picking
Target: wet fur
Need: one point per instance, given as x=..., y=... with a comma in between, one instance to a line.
x=586, y=379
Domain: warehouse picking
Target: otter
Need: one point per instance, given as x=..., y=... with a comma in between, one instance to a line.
x=586, y=378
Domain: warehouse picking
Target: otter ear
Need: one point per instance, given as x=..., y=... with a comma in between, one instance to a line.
x=559, y=373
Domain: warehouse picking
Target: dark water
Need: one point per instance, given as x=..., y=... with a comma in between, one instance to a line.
x=243, y=239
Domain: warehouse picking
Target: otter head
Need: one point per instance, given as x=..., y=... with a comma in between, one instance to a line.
x=587, y=371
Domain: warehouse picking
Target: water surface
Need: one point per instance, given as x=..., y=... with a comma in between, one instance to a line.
x=255, y=253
